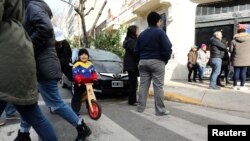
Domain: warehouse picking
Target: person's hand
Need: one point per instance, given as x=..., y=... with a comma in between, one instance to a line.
x=190, y=65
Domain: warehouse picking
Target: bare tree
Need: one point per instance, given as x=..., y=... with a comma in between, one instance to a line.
x=80, y=9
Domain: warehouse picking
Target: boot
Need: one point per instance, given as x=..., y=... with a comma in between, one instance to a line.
x=219, y=84
x=83, y=132
x=22, y=136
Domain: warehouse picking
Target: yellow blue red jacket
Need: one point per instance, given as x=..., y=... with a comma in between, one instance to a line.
x=84, y=72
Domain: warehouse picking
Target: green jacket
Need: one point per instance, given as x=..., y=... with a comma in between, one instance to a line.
x=17, y=63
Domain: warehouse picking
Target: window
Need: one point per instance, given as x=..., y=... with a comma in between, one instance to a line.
x=204, y=10
x=164, y=22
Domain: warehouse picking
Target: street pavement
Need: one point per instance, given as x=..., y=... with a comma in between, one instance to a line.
x=199, y=94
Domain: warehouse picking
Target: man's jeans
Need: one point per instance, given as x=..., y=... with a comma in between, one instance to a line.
x=51, y=96
x=216, y=68
x=33, y=115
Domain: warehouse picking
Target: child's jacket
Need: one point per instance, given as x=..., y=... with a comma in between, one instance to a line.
x=84, y=72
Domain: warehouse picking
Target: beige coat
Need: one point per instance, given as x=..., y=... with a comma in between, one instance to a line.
x=240, y=49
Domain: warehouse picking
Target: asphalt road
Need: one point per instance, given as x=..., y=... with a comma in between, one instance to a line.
x=121, y=122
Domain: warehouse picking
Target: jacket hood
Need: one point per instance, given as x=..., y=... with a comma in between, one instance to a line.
x=242, y=37
x=40, y=3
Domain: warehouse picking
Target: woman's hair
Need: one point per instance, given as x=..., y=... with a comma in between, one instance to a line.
x=131, y=32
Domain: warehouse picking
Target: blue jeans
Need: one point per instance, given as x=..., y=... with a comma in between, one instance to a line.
x=51, y=96
x=10, y=110
x=240, y=72
x=33, y=115
x=216, y=68
x=201, y=72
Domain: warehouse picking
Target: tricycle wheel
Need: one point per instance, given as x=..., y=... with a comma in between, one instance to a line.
x=97, y=110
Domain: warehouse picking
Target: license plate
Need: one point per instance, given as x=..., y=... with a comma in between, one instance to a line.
x=117, y=83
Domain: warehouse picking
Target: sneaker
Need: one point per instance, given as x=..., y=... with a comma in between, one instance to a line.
x=2, y=122
x=13, y=116
x=235, y=88
x=22, y=136
x=243, y=88
x=83, y=132
x=214, y=88
x=163, y=114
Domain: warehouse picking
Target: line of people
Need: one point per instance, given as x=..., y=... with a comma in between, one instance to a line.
x=222, y=56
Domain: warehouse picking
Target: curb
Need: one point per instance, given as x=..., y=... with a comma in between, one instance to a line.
x=172, y=96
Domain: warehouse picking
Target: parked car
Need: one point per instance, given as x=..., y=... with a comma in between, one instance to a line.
x=109, y=67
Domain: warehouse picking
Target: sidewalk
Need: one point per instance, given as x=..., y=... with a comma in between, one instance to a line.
x=199, y=94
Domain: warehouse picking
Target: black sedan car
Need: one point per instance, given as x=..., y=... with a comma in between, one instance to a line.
x=111, y=78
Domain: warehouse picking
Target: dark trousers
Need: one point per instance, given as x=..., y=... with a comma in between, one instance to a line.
x=76, y=99
x=132, y=87
x=240, y=72
x=33, y=115
x=192, y=68
x=224, y=68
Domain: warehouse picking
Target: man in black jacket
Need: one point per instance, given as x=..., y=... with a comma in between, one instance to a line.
x=217, y=50
x=39, y=27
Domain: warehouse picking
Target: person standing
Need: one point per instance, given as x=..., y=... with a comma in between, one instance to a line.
x=217, y=50
x=64, y=52
x=38, y=25
x=240, y=50
x=131, y=62
x=192, y=63
x=18, y=70
x=202, y=59
x=224, y=67
x=153, y=49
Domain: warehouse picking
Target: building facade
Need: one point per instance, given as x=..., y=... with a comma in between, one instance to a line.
x=186, y=22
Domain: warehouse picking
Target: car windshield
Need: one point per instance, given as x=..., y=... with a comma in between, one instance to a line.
x=103, y=61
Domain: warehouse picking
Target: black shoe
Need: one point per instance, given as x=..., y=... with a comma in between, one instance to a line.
x=189, y=80
x=194, y=80
x=219, y=84
x=83, y=132
x=22, y=136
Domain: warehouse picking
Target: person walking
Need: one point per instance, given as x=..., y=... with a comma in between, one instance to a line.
x=130, y=63
x=202, y=59
x=64, y=52
x=18, y=70
x=192, y=63
x=240, y=50
x=217, y=50
x=38, y=25
x=154, y=49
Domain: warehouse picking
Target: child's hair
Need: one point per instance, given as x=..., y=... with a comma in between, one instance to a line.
x=82, y=51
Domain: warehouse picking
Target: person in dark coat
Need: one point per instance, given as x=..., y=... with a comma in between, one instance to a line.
x=64, y=53
x=38, y=25
x=131, y=62
x=217, y=51
x=154, y=49
x=18, y=70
